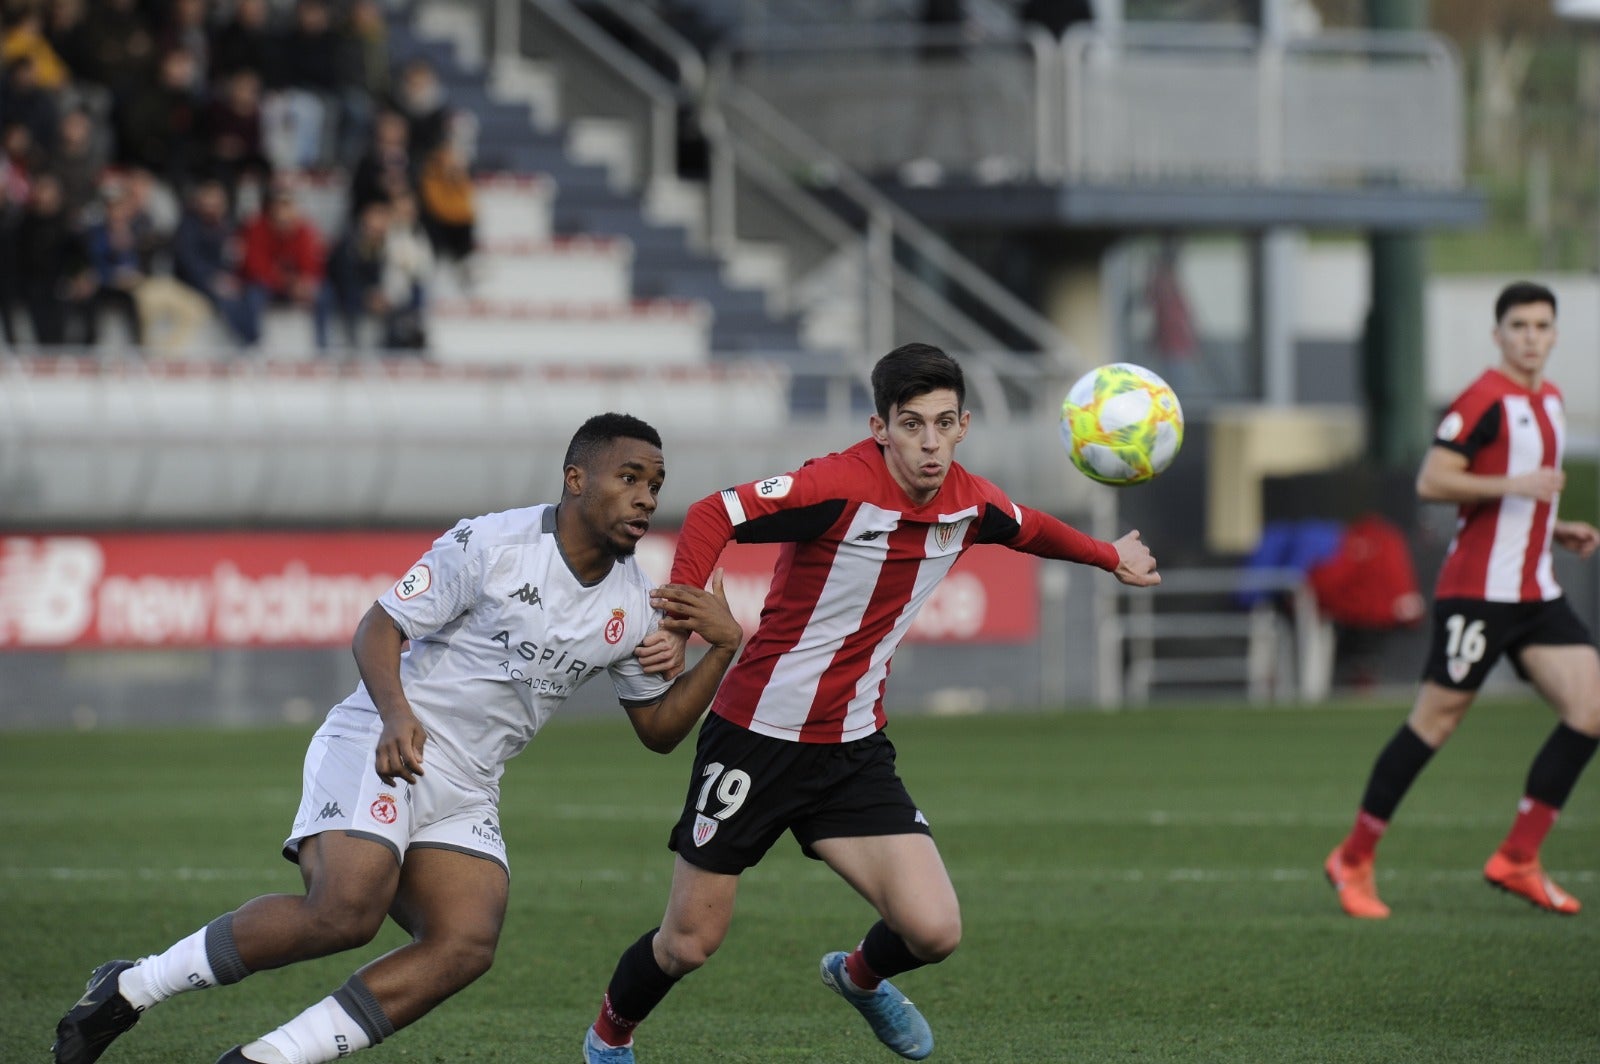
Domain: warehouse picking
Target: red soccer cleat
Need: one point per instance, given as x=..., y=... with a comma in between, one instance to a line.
x=1357, y=894
x=1527, y=879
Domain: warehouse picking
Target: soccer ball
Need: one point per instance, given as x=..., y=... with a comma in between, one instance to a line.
x=1121, y=424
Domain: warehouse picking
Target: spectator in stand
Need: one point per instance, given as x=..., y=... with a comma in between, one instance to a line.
x=121, y=48
x=232, y=126
x=161, y=123
x=449, y=211
x=312, y=75
x=78, y=162
x=407, y=267
x=19, y=161
x=67, y=29
x=185, y=29
x=117, y=257
x=283, y=258
x=420, y=98
x=369, y=32
x=25, y=38
x=244, y=42
x=26, y=103
x=205, y=251
x=10, y=216
x=57, y=287
x=353, y=288
x=162, y=315
x=384, y=171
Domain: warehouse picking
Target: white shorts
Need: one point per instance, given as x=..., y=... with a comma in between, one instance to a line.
x=341, y=791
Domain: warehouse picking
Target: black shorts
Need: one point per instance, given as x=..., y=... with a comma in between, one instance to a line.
x=1470, y=635
x=747, y=789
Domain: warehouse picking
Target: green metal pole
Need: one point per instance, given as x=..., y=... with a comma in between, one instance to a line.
x=1395, y=343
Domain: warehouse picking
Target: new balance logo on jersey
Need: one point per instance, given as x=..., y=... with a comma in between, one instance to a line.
x=462, y=536
x=868, y=537
x=529, y=594
x=330, y=811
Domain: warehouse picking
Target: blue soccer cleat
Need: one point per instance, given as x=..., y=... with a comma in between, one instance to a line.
x=894, y=1019
x=597, y=1052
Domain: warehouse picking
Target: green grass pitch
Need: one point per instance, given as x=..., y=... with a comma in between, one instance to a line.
x=1140, y=887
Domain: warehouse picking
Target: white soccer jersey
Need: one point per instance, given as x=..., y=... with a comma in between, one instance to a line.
x=501, y=632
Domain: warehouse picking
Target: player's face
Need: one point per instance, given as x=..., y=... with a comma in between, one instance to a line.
x=1525, y=336
x=919, y=441
x=619, y=493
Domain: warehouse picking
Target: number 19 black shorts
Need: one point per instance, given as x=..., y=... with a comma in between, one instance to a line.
x=747, y=789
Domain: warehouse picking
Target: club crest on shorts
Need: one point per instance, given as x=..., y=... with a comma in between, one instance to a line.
x=615, y=626
x=1458, y=668
x=383, y=809
x=704, y=828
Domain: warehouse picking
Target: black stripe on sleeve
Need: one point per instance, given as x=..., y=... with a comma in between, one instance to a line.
x=997, y=525
x=791, y=526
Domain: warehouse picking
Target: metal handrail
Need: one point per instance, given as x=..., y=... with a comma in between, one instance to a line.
x=826, y=168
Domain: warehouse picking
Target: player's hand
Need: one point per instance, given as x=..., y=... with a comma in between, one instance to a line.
x=1580, y=537
x=400, y=748
x=691, y=609
x=1541, y=485
x=662, y=653
x=1136, y=566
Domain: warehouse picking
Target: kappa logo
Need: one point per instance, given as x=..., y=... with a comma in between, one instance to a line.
x=615, y=626
x=529, y=594
x=330, y=811
x=704, y=828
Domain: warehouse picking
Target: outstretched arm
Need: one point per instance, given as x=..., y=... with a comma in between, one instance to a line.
x=662, y=725
x=1136, y=566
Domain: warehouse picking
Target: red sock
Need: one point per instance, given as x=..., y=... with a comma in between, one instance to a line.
x=855, y=966
x=1533, y=823
x=1362, y=842
x=613, y=1029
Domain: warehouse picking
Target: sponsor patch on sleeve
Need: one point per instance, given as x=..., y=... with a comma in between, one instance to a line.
x=1450, y=427
x=774, y=487
x=414, y=583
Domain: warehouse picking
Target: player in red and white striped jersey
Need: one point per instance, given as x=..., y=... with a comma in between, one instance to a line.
x=1497, y=454
x=794, y=741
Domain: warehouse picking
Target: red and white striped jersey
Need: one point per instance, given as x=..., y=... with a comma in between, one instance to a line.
x=1501, y=549
x=858, y=562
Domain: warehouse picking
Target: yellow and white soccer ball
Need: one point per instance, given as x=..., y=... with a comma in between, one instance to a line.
x=1121, y=424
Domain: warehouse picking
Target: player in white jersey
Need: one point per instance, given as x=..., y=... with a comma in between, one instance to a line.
x=506, y=616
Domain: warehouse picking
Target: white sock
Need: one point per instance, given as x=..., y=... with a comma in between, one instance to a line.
x=182, y=967
x=322, y=1033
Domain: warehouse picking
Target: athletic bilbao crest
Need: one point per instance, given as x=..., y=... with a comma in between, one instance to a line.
x=615, y=626
x=1458, y=668
x=942, y=534
x=704, y=828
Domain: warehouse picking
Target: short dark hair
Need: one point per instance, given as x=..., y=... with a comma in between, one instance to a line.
x=599, y=431
x=911, y=370
x=1520, y=294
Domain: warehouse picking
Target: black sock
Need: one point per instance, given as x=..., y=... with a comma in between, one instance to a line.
x=638, y=984
x=1558, y=764
x=886, y=953
x=1397, y=767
